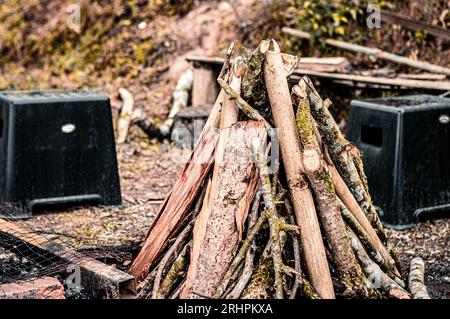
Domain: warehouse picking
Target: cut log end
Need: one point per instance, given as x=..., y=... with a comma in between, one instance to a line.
x=311, y=160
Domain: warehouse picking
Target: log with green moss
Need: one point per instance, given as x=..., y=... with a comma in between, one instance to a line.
x=316, y=170
x=340, y=151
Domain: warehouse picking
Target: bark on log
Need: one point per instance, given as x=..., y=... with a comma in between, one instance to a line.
x=375, y=275
x=416, y=279
x=369, y=244
x=250, y=255
x=230, y=111
x=245, y=246
x=275, y=222
x=253, y=87
x=241, y=103
x=347, y=159
x=176, y=271
x=352, y=205
x=283, y=113
x=236, y=186
x=339, y=149
x=261, y=281
x=329, y=211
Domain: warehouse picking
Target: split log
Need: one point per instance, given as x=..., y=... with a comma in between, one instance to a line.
x=416, y=279
x=172, y=254
x=283, y=113
x=329, y=212
x=237, y=180
x=229, y=116
x=376, y=276
x=245, y=246
x=126, y=114
x=177, y=204
x=181, y=197
x=197, y=240
x=250, y=255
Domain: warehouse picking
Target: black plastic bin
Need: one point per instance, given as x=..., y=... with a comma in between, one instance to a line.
x=56, y=148
x=406, y=146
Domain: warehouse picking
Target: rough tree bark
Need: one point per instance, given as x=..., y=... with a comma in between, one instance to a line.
x=373, y=272
x=416, y=279
x=340, y=152
x=352, y=205
x=283, y=113
x=237, y=180
x=329, y=212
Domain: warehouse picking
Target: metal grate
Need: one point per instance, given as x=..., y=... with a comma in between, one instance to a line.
x=27, y=253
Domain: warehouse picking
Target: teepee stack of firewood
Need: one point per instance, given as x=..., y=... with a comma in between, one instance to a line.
x=236, y=225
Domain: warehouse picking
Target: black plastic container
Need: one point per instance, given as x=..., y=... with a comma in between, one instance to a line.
x=56, y=148
x=406, y=147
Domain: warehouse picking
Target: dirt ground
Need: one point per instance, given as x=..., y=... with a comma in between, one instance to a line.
x=149, y=169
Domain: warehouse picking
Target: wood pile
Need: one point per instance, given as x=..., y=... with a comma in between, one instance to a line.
x=232, y=227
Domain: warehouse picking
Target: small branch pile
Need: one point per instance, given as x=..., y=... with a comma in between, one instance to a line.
x=231, y=228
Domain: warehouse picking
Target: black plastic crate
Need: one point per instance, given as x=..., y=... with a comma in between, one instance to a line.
x=57, y=148
x=406, y=146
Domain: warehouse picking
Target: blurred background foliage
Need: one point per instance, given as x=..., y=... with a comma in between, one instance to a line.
x=130, y=39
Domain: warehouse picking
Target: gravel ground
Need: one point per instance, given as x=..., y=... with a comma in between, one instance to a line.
x=431, y=241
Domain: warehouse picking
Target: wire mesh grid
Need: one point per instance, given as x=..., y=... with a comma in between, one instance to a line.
x=27, y=253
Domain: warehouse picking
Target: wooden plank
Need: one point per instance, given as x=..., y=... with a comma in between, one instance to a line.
x=205, y=88
x=419, y=84
x=324, y=64
x=205, y=59
x=422, y=76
